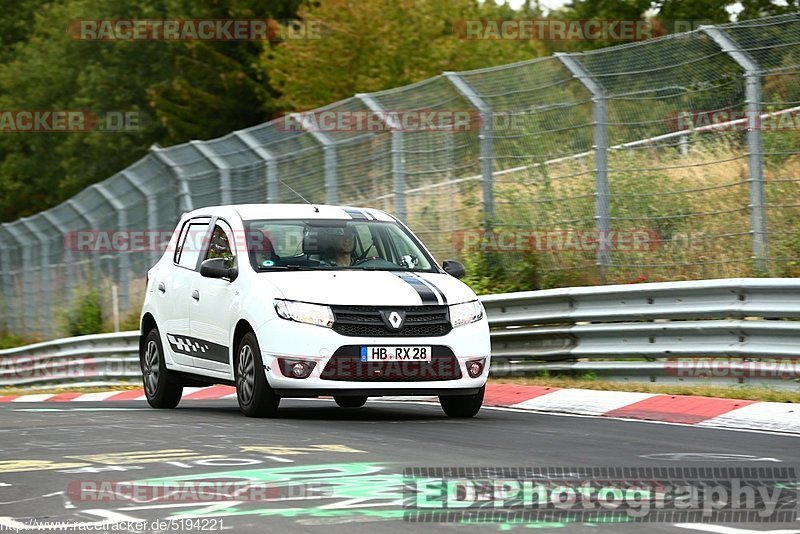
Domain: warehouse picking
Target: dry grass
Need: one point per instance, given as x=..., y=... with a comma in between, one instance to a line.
x=65, y=389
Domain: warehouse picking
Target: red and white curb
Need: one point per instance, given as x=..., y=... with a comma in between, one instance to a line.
x=682, y=409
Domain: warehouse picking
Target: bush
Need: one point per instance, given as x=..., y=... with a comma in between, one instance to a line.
x=86, y=316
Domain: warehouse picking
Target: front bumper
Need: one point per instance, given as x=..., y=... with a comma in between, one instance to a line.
x=280, y=338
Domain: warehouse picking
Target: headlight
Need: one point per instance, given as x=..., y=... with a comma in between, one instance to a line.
x=303, y=312
x=466, y=313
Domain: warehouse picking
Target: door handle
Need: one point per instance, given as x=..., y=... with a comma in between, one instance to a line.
x=196, y=295
x=162, y=287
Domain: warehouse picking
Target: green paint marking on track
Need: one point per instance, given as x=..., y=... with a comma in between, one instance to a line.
x=356, y=491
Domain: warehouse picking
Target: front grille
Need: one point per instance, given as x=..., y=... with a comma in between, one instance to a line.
x=346, y=364
x=420, y=321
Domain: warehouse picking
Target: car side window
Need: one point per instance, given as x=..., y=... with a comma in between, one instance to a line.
x=221, y=244
x=190, y=243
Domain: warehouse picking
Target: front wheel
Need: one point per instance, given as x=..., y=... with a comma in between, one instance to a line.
x=160, y=388
x=350, y=402
x=463, y=405
x=256, y=398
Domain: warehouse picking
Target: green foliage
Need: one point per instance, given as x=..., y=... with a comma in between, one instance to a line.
x=501, y=272
x=372, y=45
x=85, y=317
x=180, y=90
x=9, y=341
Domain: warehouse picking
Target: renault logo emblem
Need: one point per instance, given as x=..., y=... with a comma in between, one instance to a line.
x=394, y=319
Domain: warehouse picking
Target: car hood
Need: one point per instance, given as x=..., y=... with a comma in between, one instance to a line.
x=370, y=288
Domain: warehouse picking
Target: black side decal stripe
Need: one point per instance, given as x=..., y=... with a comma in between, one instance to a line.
x=424, y=292
x=198, y=348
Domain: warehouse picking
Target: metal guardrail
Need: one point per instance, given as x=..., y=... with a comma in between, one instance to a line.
x=727, y=318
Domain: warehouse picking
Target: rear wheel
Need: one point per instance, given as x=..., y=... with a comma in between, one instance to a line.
x=462, y=405
x=256, y=397
x=160, y=387
x=350, y=402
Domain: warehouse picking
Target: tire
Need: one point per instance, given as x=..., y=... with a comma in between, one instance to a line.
x=160, y=387
x=350, y=402
x=463, y=405
x=256, y=397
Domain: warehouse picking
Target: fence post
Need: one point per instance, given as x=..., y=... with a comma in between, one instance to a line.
x=28, y=303
x=9, y=291
x=68, y=264
x=329, y=153
x=183, y=183
x=398, y=153
x=486, y=138
x=44, y=262
x=222, y=165
x=153, y=241
x=272, y=166
x=123, y=257
x=755, y=151
x=600, y=136
x=96, y=261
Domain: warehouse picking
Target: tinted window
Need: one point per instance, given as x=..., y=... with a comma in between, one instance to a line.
x=334, y=244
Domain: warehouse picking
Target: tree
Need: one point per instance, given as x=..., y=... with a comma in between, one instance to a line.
x=371, y=45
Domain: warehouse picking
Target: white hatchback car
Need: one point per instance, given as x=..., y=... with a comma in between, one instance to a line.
x=297, y=300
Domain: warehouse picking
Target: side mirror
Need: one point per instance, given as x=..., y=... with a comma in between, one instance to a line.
x=454, y=268
x=216, y=268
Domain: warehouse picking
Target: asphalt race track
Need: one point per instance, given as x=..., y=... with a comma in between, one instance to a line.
x=48, y=449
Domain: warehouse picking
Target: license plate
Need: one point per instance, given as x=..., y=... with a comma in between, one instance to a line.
x=395, y=354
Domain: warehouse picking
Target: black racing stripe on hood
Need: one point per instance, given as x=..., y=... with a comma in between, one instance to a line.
x=434, y=287
x=425, y=293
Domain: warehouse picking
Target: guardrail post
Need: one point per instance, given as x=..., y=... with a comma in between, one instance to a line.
x=486, y=138
x=272, y=165
x=755, y=151
x=329, y=155
x=123, y=258
x=222, y=165
x=600, y=136
x=398, y=153
x=185, y=192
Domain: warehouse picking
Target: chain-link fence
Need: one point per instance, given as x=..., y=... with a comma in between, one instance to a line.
x=673, y=158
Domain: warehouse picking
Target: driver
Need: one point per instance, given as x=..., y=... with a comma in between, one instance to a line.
x=339, y=249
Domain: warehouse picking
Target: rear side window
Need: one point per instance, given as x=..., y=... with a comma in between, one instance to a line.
x=191, y=243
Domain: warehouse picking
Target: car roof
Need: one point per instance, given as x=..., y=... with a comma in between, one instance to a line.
x=249, y=212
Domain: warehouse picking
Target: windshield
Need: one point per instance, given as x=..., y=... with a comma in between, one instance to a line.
x=313, y=244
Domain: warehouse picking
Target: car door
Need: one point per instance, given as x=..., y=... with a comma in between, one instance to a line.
x=211, y=318
x=174, y=291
